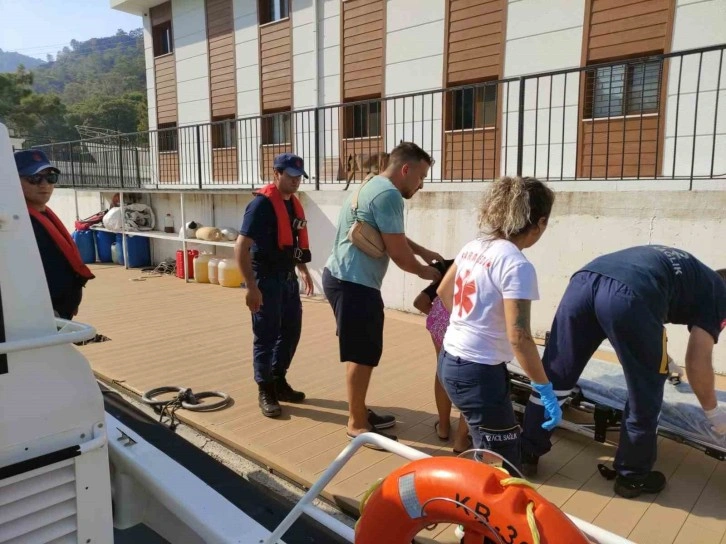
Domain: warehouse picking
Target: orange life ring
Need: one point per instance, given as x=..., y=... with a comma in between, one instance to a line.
x=433, y=490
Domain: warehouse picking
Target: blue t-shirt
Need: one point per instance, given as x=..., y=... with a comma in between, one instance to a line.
x=381, y=205
x=260, y=224
x=678, y=287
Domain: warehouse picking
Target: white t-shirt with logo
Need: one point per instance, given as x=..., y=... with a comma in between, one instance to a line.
x=488, y=271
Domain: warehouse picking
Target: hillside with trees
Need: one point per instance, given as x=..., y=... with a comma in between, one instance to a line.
x=11, y=61
x=97, y=83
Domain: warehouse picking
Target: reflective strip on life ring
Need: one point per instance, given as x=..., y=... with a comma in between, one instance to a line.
x=461, y=491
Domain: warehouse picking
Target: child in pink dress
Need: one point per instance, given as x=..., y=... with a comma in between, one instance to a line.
x=437, y=320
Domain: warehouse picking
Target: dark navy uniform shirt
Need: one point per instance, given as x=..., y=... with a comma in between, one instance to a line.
x=64, y=284
x=260, y=224
x=677, y=286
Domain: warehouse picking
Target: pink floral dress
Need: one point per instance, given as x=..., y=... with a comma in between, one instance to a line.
x=437, y=321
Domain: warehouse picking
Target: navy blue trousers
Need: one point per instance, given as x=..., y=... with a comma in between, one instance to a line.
x=482, y=394
x=593, y=308
x=276, y=326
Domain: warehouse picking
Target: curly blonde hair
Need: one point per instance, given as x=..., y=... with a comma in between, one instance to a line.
x=513, y=204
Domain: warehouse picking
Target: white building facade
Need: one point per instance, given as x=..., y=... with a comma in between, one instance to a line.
x=623, y=111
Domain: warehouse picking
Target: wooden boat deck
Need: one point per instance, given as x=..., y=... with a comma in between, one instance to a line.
x=165, y=332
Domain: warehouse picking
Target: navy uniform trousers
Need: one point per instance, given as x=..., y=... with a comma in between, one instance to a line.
x=276, y=326
x=593, y=308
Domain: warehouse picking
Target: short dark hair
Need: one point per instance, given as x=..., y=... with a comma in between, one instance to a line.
x=722, y=272
x=409, y=152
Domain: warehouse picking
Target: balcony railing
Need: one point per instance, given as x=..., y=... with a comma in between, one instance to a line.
x=657, y=117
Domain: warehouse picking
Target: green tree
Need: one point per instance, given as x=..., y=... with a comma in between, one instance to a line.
x=124, y=114
x=41, y=117
x=13, y=88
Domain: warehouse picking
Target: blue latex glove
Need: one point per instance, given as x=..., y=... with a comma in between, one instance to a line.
x=551, y=406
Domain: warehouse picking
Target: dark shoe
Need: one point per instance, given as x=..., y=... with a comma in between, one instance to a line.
x=375, y=431
x=285, y=393
x=267, y=399
x=381, y=422
x=630, y=488
x=529, y=465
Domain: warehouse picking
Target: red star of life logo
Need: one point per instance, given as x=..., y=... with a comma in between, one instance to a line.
x=464, y=293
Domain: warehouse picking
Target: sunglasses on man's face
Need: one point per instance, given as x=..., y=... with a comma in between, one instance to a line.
x=37, y=179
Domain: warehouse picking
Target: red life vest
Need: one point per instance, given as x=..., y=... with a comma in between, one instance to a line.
x=285, y=238
x=63, y=240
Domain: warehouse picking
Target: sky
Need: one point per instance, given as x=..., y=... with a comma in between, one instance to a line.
x=39, y=27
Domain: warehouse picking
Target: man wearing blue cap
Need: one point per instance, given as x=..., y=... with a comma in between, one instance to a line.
x=64, y=269
x=273, y=241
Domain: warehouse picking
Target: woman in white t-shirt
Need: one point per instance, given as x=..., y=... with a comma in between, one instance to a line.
x=489, y=290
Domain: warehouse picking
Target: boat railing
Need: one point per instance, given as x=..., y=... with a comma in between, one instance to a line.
x=68, y=332
x=306, y=506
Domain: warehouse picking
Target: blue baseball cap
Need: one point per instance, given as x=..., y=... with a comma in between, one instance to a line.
x=31, y=161
x=291, y=164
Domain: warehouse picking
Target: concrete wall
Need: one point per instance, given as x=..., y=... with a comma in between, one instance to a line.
x=150, y=75
x=192, y=78
x=247, y=52
x=192, y=61
x=330, y=51
x=583, y=225
x=415, y=62
x=697, y=24
x=542, y=36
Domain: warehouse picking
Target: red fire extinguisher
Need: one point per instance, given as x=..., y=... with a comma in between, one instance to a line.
x=191, y=253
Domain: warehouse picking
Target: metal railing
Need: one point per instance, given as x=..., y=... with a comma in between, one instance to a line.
x=657, y=117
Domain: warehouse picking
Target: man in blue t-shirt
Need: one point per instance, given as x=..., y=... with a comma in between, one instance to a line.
x=352, y=279
x=627, y=297
x=272, y=244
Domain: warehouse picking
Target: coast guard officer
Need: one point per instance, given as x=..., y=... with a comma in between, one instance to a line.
x=273, y=242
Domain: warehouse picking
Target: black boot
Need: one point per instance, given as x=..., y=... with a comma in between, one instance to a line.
x=285, y=393
x=529, y=464
x=628, y=487
x=267, y=399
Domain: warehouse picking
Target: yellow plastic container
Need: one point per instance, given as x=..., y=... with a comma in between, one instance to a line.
x=212, y=270
x=228, y=273
x=201, y=267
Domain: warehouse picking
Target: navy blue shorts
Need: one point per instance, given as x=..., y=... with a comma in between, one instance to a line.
x=359, y=317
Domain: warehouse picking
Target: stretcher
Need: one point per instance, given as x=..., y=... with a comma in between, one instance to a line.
x=602, y=392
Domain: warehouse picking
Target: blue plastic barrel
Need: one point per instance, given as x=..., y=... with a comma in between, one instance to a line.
x=104, y=240
x=137, y=248
x=86, y=244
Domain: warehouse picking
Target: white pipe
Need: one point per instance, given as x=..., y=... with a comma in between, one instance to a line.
x=124, y=247
x=184, y=238
x=94, y=444
x=330, y=522
x=316, y=87
x=600, y=535
x=316, y=49
x=82, y=332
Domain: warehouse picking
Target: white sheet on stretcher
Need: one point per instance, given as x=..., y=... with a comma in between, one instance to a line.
x=603, y=383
